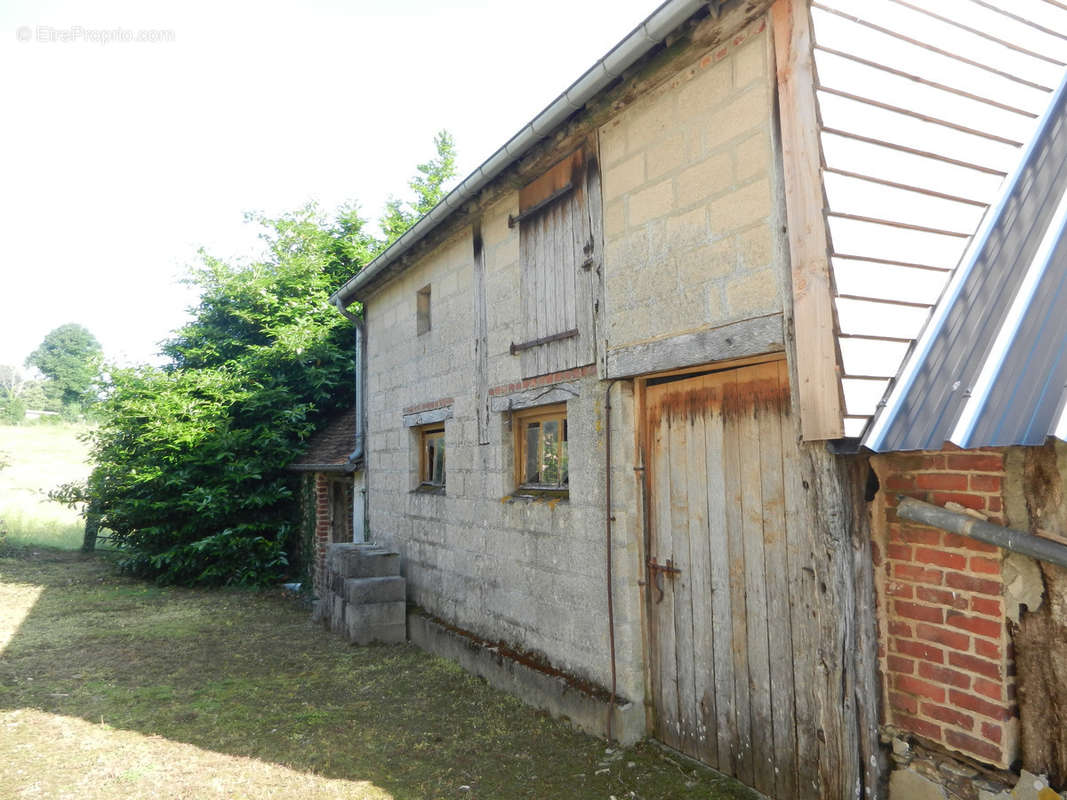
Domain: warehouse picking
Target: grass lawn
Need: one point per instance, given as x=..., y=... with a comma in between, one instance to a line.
x=41, y=457
x=114, y=688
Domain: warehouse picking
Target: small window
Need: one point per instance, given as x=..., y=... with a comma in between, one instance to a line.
x=541, y=449
x=432, y=460
x=422, y=310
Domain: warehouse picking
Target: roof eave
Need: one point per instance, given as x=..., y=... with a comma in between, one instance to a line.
x=351, y=466
x=655, y=28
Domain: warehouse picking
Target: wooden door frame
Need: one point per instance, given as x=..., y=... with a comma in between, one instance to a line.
x=642, y=444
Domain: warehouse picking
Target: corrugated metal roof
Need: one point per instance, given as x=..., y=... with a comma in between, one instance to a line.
x=990, y=368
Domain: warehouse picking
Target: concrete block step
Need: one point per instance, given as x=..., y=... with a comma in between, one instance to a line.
x=383, y=634
x=358, y=591
x=375, y=613
x=351, y=560
x=376, y=622
x=336, y=612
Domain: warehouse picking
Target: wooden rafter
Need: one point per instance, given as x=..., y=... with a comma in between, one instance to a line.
x=916, y=78
x=931, y=48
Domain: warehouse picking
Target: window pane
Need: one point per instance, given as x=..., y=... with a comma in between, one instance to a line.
x=433, y=464
x=439, y=462
x=550, y=456
x=532, y=471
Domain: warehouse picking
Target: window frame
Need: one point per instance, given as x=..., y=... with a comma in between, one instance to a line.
x=427, y=433
x=520, y=421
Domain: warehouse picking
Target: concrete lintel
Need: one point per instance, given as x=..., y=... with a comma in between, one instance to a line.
x=531, y=398
x=534, y=687
x=427, y=417
x=749, y=337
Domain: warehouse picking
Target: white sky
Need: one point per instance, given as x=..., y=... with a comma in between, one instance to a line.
x=119, y=160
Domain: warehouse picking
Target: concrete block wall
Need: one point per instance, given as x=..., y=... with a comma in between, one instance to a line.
x=530, y=573
x=945, y=647
x=688, y=198
x=688, y=201
x=503, y=289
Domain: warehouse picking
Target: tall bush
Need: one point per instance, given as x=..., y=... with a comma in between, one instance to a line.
x=190, y=459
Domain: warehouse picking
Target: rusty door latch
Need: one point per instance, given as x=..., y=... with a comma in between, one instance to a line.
x=656, y=571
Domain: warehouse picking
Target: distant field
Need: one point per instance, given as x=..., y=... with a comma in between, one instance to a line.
x=41, y=457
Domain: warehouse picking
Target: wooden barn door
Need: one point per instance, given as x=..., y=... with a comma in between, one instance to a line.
x=731, y=641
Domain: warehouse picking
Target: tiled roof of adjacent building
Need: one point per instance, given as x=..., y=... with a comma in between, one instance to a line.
x=330, y=447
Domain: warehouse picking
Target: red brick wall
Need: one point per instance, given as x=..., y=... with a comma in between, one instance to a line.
x=322, y=528
x=946, y=654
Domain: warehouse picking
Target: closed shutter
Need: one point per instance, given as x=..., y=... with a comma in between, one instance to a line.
x=559, y=266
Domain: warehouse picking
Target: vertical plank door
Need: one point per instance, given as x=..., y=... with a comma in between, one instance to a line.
x=725, y=638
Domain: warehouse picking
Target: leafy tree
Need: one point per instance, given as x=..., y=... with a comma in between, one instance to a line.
x=12, y=406
x=18, y=394
x=69, y=357
x=33, y=395
x=428, y=187
x=12, y=381
x=190, y=459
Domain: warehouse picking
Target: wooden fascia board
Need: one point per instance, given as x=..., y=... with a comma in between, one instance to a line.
x=819, y=389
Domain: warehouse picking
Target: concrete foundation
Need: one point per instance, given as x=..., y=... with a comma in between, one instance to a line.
x=560, y=697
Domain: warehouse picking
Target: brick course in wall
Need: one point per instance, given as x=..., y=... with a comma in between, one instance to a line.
x=945, y=650
x=543, y=380
x=430, y=405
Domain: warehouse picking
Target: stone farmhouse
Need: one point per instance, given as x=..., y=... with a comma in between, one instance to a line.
x=616, y=395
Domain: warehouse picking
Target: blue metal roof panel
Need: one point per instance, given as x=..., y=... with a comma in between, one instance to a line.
x=967, y=365
x=1022, y=403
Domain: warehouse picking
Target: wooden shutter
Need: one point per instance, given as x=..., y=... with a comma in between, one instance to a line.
x=559, y=268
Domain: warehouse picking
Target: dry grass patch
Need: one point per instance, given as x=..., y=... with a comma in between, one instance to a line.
x=110, y=687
